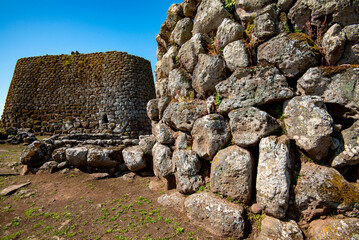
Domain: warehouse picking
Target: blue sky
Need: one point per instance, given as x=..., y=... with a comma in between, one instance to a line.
x=35, y=28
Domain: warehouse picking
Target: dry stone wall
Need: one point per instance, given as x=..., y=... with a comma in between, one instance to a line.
x=85, y=93
x=257, y=102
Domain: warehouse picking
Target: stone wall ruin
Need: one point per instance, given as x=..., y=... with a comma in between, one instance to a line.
x=84, y=93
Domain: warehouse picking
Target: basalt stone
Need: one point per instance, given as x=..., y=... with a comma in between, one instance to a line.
x=252, y=86
x=209, y=71
x=334, y=228
x=182, y=32
x=206, y=210
x=350, y=155
x=152, y=110
x=190, y=7
x=189, y=52
x=36, y=154
x=292, y=53
x=77, y=156
x=333, y=43
x=351, y=54
x=169, y=60
x=352, y=32
x=231, y=173
x=183, y=141
x=228, y=32
x=336, y=85
x=146, y=143
x=182, y=115
x=163, y=134
x=314, y=11
x=235, y=54
x=321, y=188
x=187, y=166
x=247, y=9
x=104, y=157
x=210, y=15
x=249, y=125
x=274, y=175
x=265, y=25
x=179, y=85
x=162, y=161
x=174, y=14
x=59, y=155
x=173, y=200
x=272, y=228
x=210, y=133
x=134, y=158
x=310, y=125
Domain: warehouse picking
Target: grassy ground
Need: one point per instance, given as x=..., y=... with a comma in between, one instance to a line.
x=70, y=206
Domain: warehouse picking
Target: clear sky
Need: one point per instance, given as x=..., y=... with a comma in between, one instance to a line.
x=39, y=27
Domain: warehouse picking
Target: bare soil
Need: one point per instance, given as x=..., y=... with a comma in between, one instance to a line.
x=70, y=206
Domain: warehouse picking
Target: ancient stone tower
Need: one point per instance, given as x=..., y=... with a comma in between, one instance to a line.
x=88, y=93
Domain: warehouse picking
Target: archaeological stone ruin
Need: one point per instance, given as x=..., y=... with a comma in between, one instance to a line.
x=255, y=122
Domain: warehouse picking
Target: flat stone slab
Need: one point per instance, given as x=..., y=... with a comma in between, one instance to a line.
x=13, y=188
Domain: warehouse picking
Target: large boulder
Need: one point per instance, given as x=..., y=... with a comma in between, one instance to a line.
x=163, y=133
x=187, y=166
x=228, y=32
x=189, y=52
x=235, y=54
x=249, y=125
x=252, y=86
x=134, y=158
x=206, y=210
x=169, y=60
x=210, y=133
x=174, y=14
x=232, y=172
x=333, y=228
x=350, y=155
x=248, y=9
x=209, y=71
x=146, y=143
x=162, y=161
x=310, y=125
x=105, y=157
x=152, y=110
x=210, y=15
x=36, y=154
x=173, y=200
x=321, y=188
x=275, y=229
x=179, y=84
x=59, y=155
x=182, y=32
x=292, y=53
x=190, y=7
x=336, y=85
x=333, y=44
x=274, y=175
x=77, y=156
x=352, y=32
x=314, y=12
x=265, y=24
x=182, y=115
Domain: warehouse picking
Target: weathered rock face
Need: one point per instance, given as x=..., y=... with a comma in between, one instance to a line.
x=209, y=134
x=228, y=32
x=77, y=156
x=104, y=157
x=292, y=53
x=134, y=158
x=249, y=125
x=334, y=229
x=182, y=115
x=341, y=11
x=162, y=161
x=189, y=52
x=320, y=188
x=209, y=71
x=235, y=123
x=252, y=86
x=337, y=85
x=207, y=210
x=187, y=165
x=146, y=143
x=350, y=155
x=35, y=154
x=235, y=54
x=273, y=229
x=174, y=200
x=310, y=125
x=232, y=172
x=210, y=15
x=274, y=175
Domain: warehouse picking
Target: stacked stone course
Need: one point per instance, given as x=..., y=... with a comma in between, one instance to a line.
x=85, y=93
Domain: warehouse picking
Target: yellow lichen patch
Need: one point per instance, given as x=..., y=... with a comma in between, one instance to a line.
x=302, y=37
x=341, y=192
